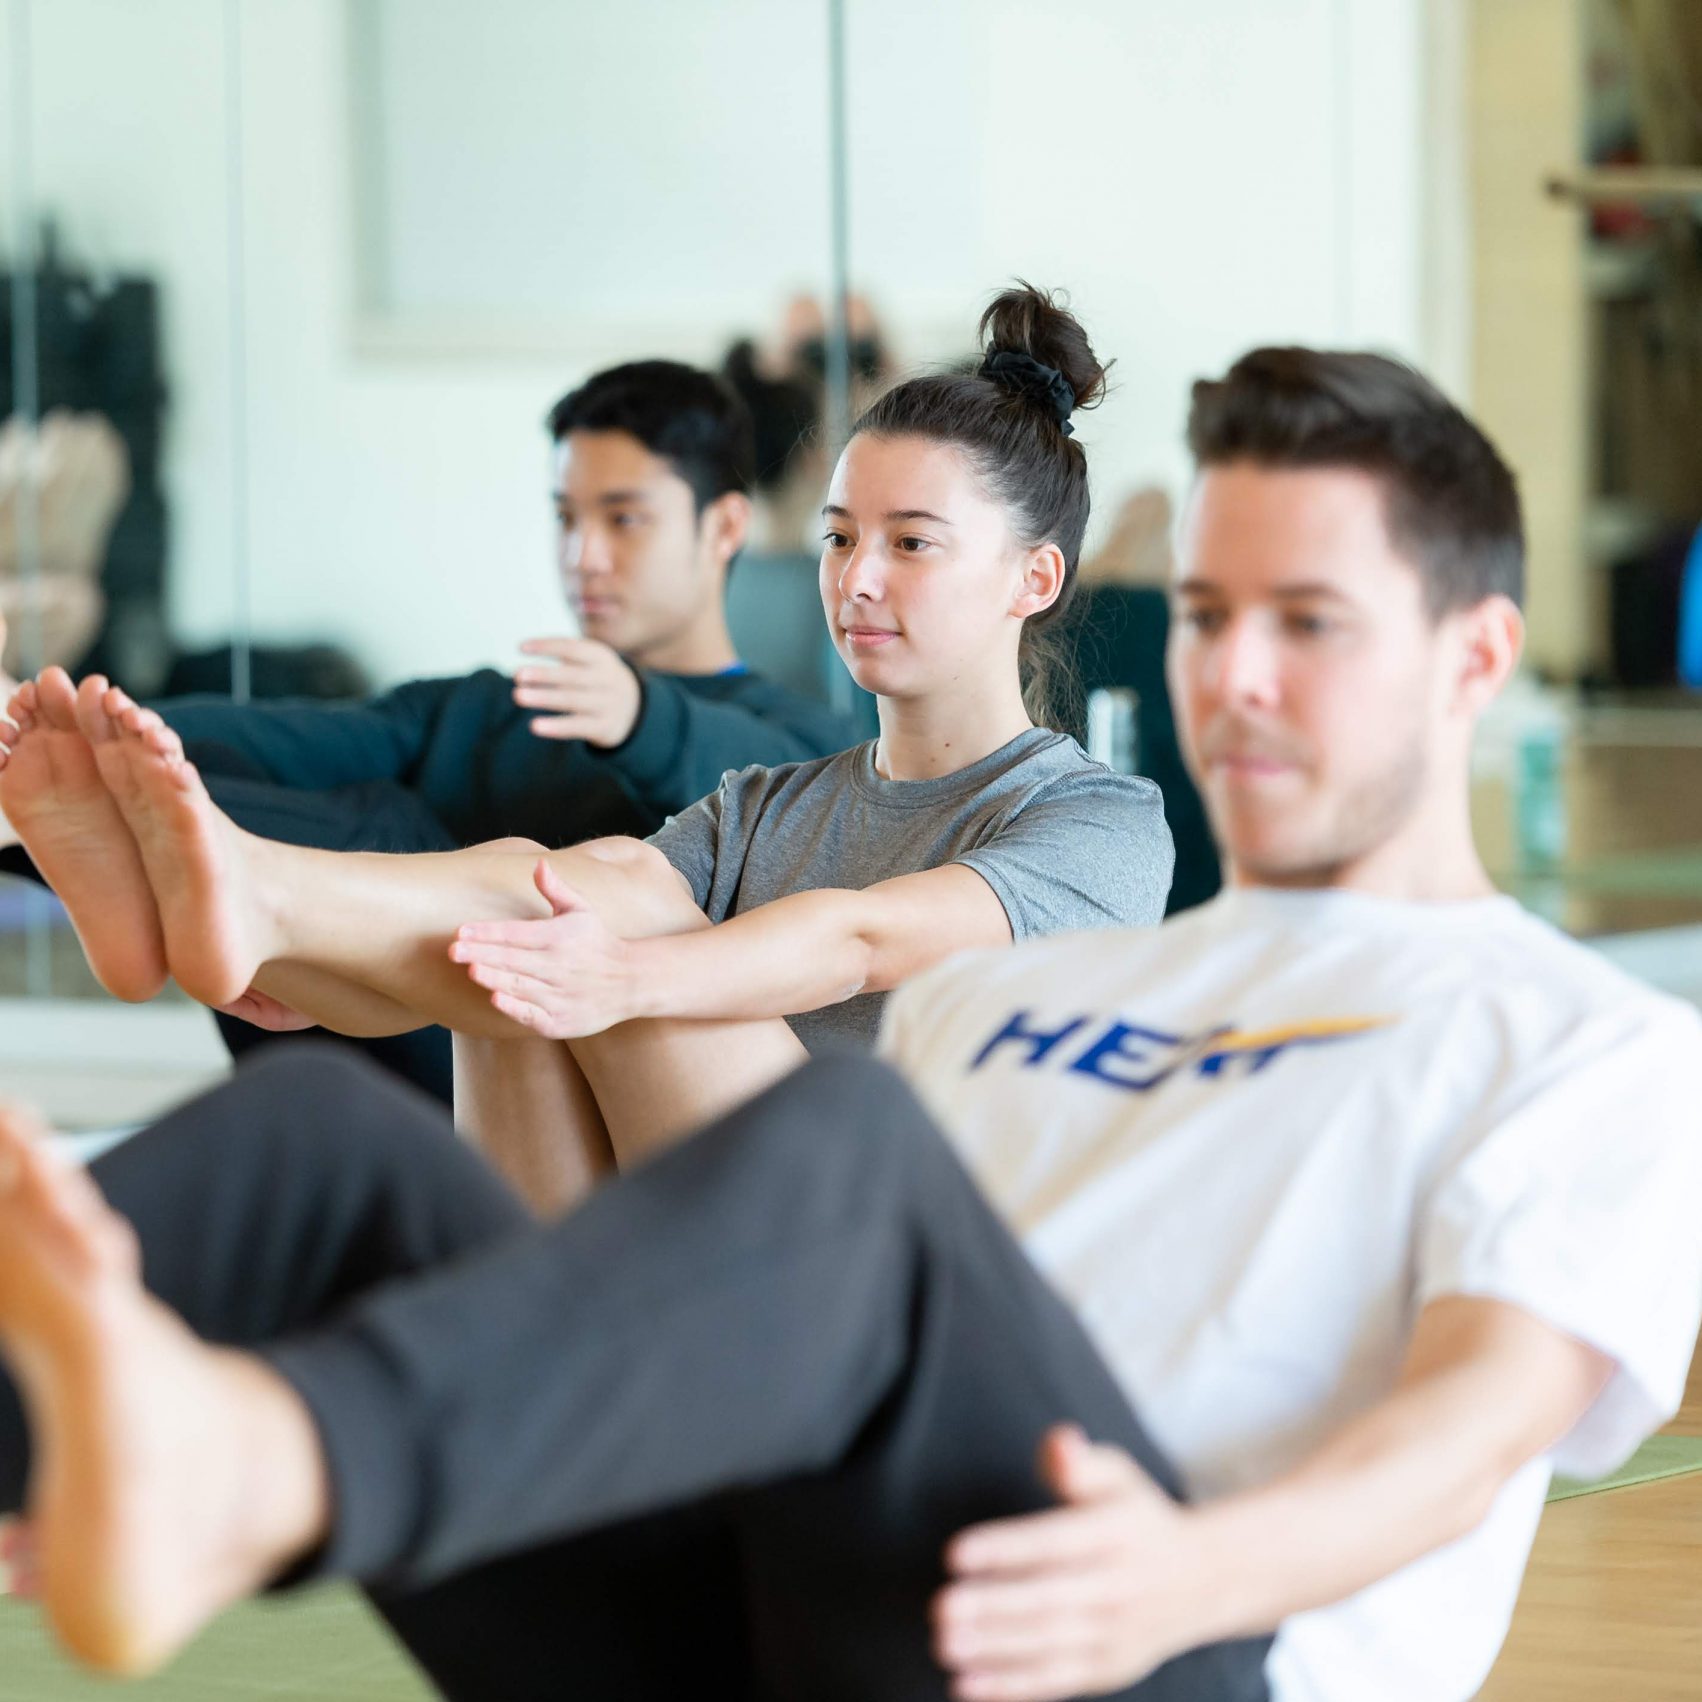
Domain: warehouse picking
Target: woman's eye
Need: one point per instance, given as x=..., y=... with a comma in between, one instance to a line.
x=835, y=540
x=1203, y=620
x=913, y=546
x=1308, y=626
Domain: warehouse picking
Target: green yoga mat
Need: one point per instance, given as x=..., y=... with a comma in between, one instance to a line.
x=1660, y=1456
x=321, y=1646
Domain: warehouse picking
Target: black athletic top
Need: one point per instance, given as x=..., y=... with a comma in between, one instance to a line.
x=467, y=749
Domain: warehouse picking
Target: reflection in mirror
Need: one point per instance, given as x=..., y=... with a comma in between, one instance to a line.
x=321, y=330
x=115, y=477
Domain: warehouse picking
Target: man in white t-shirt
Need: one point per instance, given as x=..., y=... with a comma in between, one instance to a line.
x=1379, y=1196
x=1350, y=1205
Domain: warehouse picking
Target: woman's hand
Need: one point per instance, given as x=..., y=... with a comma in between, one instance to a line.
x=562, y=976
x=1076, y=1602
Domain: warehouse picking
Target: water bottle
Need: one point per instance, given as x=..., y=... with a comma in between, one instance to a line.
x=1113, y=728
x=1539, y=785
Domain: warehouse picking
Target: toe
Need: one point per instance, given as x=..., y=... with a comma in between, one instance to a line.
x=91, y=708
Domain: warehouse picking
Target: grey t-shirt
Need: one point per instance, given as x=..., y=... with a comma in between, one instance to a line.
x=1065, y=842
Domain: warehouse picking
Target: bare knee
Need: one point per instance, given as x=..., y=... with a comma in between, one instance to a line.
x=655, y=896
x=514, y=843
x=633, y=856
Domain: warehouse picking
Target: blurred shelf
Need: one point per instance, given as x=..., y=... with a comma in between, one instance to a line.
x=1643, y=185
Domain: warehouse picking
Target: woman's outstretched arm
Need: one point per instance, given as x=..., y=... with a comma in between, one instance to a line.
x=573, y=975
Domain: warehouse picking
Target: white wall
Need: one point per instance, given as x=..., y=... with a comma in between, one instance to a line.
x=1203, y=174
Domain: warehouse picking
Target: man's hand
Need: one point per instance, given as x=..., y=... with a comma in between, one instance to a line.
x=562, y=976
x=264, y=1011
x=1072, y=1603
x=589, y=691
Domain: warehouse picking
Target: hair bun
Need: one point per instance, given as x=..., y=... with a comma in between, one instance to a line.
x=1024, y=330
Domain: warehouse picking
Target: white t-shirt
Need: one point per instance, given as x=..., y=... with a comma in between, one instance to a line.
x=1250, y=1145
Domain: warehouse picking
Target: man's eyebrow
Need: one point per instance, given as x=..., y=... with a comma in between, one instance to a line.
x=1311, y=591
x=1306, y=591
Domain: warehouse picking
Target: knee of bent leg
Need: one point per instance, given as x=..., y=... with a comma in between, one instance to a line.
x=652, y=885
x=515, y=843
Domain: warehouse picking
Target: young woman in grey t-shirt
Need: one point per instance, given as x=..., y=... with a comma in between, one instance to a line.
x=952, y=529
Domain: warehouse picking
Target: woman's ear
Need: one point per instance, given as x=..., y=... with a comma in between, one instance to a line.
x=1042, y=581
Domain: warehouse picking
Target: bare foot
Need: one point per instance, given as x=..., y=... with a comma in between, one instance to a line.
x=197, y=859
x=168, y=1478
x=54, y=798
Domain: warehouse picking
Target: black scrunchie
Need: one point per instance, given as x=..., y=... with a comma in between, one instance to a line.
x=1013, y=370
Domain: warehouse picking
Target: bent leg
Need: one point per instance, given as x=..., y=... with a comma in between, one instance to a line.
x=377, y=815
x=238, y=910
x=815, y=1312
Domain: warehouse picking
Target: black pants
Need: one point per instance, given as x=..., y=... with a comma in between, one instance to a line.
x=707, y=1436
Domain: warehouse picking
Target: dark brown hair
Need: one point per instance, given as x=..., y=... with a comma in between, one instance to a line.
x=1450, y=503
x=691, y=419
x=1017, y=446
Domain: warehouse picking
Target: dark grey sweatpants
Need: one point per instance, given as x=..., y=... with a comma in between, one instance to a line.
x=707, y=1436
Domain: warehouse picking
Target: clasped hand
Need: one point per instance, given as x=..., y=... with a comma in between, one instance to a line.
x=562, y=976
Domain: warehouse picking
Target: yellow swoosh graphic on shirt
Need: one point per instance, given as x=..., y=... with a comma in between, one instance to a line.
x=1328, y=1028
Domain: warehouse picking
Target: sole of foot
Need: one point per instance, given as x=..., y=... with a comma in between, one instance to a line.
x=53, y=794
x=189, y=848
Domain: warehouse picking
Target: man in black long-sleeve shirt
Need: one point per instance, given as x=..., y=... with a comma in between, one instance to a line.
x=608, y=733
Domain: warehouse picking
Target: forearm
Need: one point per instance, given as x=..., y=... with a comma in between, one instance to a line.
x=796, y=954
x=1416, y=1472
x=300, y=742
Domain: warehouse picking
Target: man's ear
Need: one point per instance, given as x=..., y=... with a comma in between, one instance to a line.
x=1492, y=635
x=727, y=523
x=1042, y=581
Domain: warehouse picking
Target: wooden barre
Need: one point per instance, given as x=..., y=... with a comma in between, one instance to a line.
x=1627, y=183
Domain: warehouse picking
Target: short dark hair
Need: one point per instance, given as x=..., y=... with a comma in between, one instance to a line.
x=693, y=420
x=1012, y=434
x=1450, y=503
